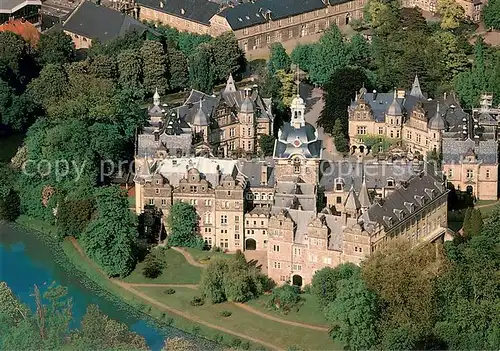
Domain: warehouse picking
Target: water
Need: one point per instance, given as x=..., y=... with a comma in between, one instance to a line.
x=25, y=260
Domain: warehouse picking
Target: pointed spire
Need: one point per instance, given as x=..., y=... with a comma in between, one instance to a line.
x=352, y=202
x=364, y=197
x=230, y=86
x=437, y=122
x=394, y=108
x=415, y=89
x=156, y=98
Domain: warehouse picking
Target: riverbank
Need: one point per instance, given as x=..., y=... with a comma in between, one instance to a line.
x=46, y=233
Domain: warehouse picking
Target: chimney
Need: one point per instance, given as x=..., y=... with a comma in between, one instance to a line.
x=263, y=178
x=374, y=95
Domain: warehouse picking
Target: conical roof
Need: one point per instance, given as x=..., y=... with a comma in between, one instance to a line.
x=352, y=201
x=437, y=122
x=415, y=89
x=394, y=108
x=200, y=118
x=230, y=86
x=247, y=105
x=364, y=197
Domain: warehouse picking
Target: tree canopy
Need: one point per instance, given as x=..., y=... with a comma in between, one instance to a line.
x=183, y=223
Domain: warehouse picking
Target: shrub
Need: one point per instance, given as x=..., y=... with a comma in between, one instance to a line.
x=324, y=282
x=218, y=338
x=245, y=345
x=169, y=291
x=307, y=289
x=226, y=313
x=284, y=298
x=169, y=321
x=236, y=342
x=196, y=330
x=152, y=267
x=197, y=301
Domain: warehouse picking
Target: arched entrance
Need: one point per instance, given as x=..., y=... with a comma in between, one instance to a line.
x=250, y=244
x=347, y=18
x=470, y=189
x=362, y=149
x=297, y=280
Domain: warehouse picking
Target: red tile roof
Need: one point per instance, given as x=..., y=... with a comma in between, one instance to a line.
x=23, y=28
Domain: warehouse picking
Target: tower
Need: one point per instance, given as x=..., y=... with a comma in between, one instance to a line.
x=247, y=124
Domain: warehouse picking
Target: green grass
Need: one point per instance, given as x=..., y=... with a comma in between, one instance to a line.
x=130, y=299
x=36, y=224
x=245, y=322
x=202, y=256
x=485, y=202
x=309, y=312
x=9, y=146
x=177, y=271
x=487, y=210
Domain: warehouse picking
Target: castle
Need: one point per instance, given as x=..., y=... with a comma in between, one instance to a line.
x=303, y=212
x=418, y=126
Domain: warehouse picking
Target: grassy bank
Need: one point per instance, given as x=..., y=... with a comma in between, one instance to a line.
x=69, y=258
x=308, y=312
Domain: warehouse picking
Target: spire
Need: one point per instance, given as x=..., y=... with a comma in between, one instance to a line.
x=364, y=197
x=200, y=118
x=415, y=89
x=230, y=86
x=394, y=108
x=352, y=202
x=437, y=122
x=156, y=98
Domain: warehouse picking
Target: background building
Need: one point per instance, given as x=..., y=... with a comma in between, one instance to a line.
x=28, y=10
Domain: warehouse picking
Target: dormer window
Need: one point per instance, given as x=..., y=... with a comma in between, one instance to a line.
x=390, y=182
x=399, y=213
x=429, y=192
x=410, y=206
x=339, y=184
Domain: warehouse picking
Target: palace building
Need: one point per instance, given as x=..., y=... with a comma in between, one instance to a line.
x=302, y=212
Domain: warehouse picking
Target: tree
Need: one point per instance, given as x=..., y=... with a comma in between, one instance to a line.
x=473, y=222
x=10, y=206
x=212, y=280
x=154, y=66
x=278, y=59
x=339, y=138
x=177, y=69
x=110, y=238
x=55, y=47
x=491, y=14
x=329, y=54
x=13, y=51
x=353, y=314
x=183, y=223
x=338, y=93
x=228, y=57
x=452, y=55
x=470, y=84
x=51, y=85
x=302, y=56
x=266, y=144
x=103, y=66
x=451, y=12
x=201, y=69
x=152, y=267
x=178, y=344
x=359, y=51
x=324, y=282
x=396, y=288
x=130, y=69
x=74, y=215
x=284, y=298
x=288, y=87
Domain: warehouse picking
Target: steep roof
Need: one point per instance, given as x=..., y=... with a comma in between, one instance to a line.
x=200, y=11
x=297, y=141
x=100, y=23
x=23, y=28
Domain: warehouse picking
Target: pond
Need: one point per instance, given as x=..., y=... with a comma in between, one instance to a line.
x=25, y=260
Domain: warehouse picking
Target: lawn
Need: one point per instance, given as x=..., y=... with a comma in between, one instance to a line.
x=309, y=312
x=38, y=225
x=202, y=256
x=177, y=271
x=486, y=211
x=244, y=322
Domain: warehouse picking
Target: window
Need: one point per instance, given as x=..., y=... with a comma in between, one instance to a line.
x=276, y=248
x=290, y=33
x=470, y=173
x=418, y=138
x=245, y=31
x=338, y=186
x=327, y=260
x=268, y=39
x=290, y=19
x=163, y=202
x=268, y=25
x=296, y=168
x=225, y=204
x=283, y=278
x=257, y=42
x=381, y=130
x=264, y=196
x=193, y=202
x=361, y=130
x=277, y=265
x=390, y=182
x=262, y=223
x=450, y=174
x=224, y=243
x=237, y=236
x=392, y=134
x=157, y=191
x=408, y=135
x=270, y=196
x=223, y=219
x=208, y=218
x=297, y=251
x=279, y=35
x=487, y=173
x=338, y=200
x=297, y=267
x=397, y=134
x=231, y=132
x=237, y=219
x=151, y=202
x=208, y=202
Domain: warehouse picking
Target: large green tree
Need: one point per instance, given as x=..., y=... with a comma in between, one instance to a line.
x=177, y=69
x=130, y=69
x=154, y=66
x=324, y=282
x=278, y=59
x=202, y=72
x=353, y=314
x=228, y=57
x=55, y=47
x=491, y=14
x=183, y=223
x=110, y=238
